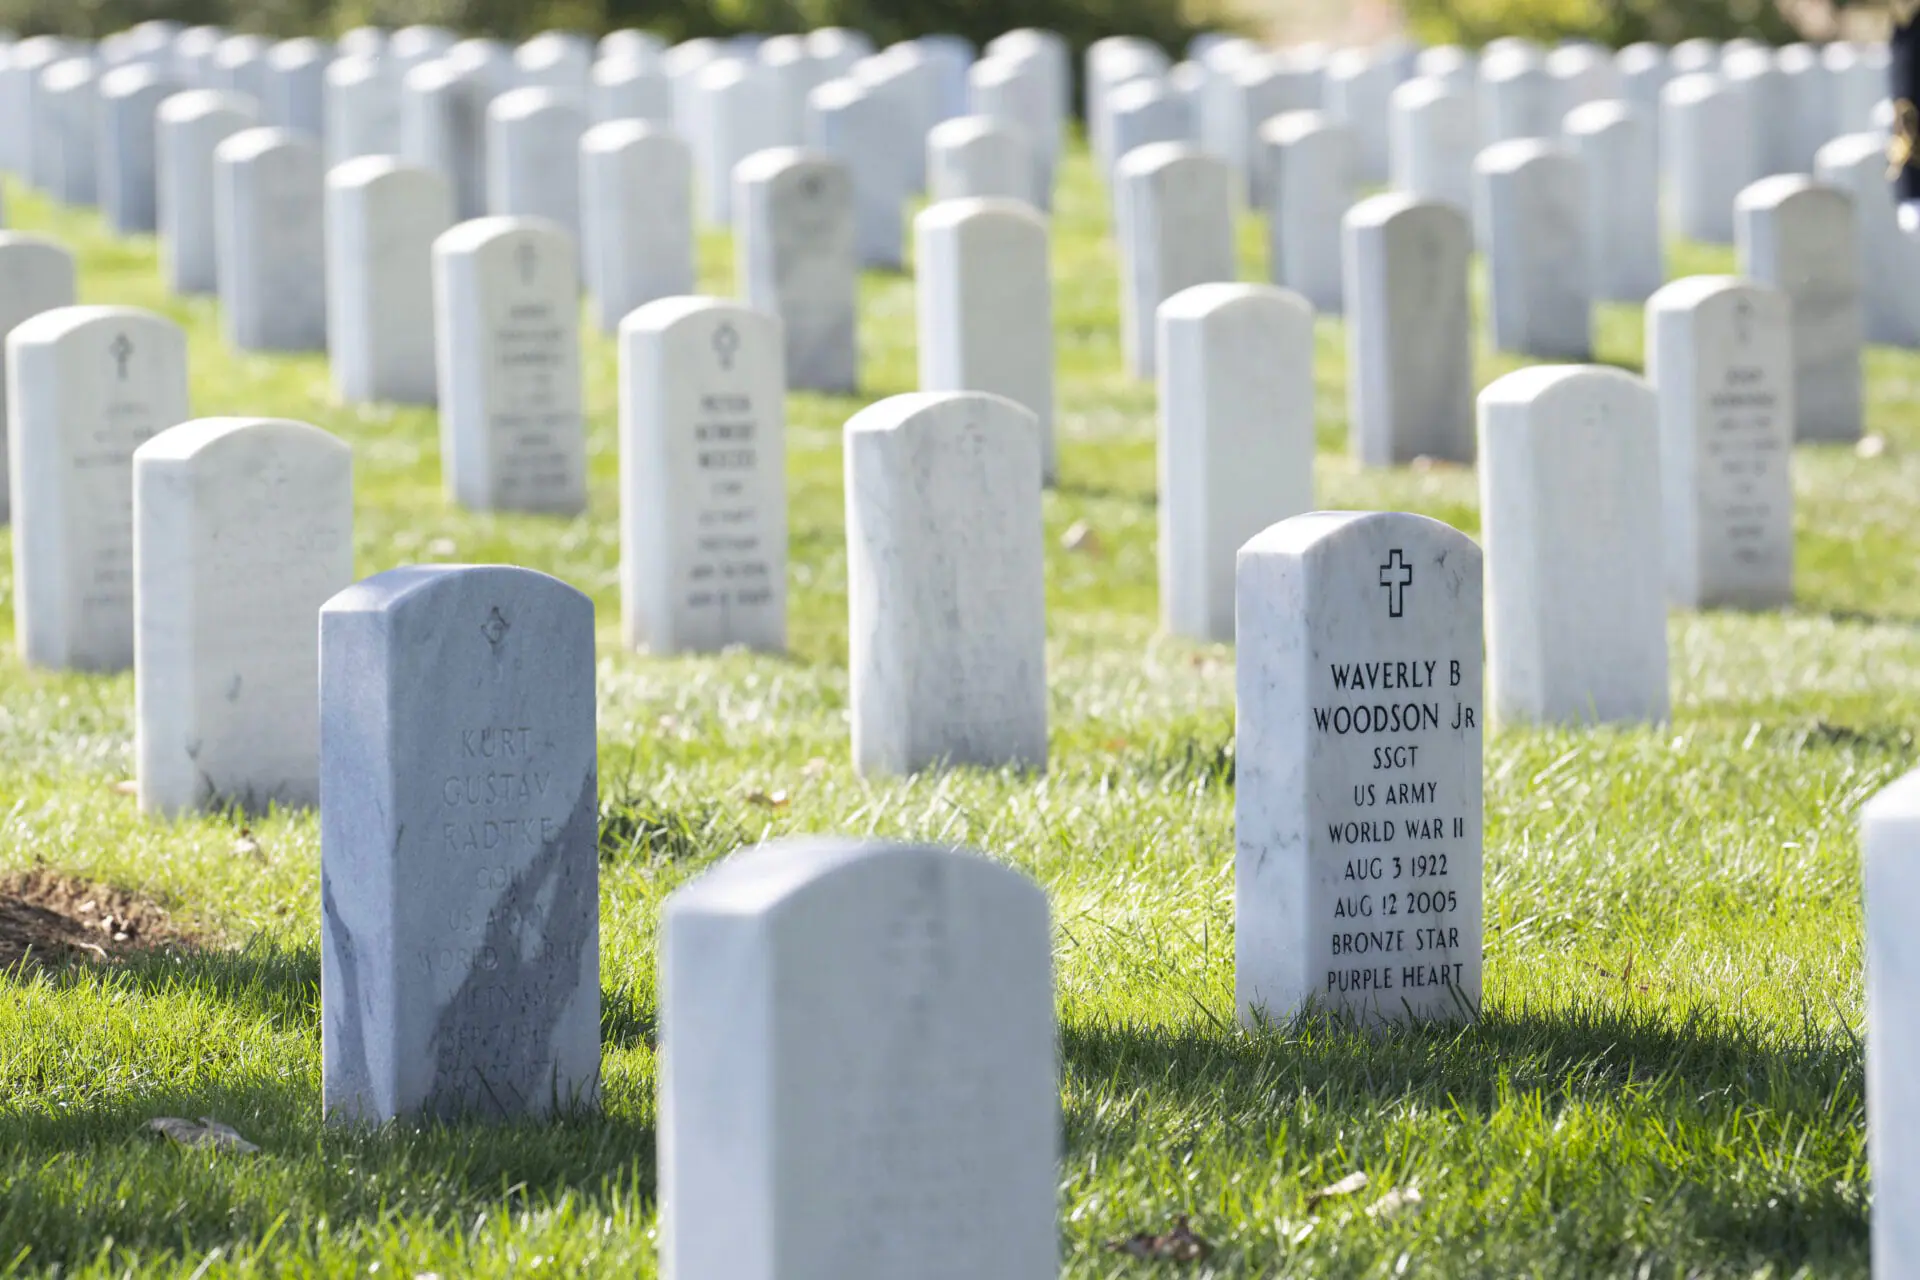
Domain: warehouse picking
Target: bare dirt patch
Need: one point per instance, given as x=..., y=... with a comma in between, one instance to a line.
x=48, y=919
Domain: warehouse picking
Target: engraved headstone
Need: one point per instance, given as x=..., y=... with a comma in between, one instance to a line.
x=1617, y=147
x=985, y=306
x=382, y=218
x=1175, y=228
x=636, y=217
x=36, y=275
x=1799, y=237
x=533, y=157
x=243, y=528
x=795, y=258
x=459, y=875
x=946, y=595
x=1719, y=356
x=1889, y=261
x=1570, y=519
x=506, y=330
x=1433, y=138
x=1534, y=195
x=1705, y=141
x=187, y=128
x=971, y=157
x=86, y=387
x=1236, y=440
x=703, y=506
x=130, y=98
x=1357, y=817
x=887, y=1009
x=1311, y=167
x=1409, y=331
x=270, y=237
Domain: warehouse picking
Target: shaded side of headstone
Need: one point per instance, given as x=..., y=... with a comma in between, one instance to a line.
x=382, y=218
x=1311, y=166
x=459, y=875
x=243, y=528
x=1236, y=440
x=443, y=127
x=36, y=274
x=795, y=255
x=703, y=504
x=86, y=386
x=636, y=217
x=946, y=584
x=1357, y=811
x=1571, y=523
x=269, y=213
x=1174, y=223
x=862, y=1033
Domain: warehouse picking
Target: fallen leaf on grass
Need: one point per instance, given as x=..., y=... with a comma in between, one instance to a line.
x=247, y=847
x=1177, y=1245
x=1345, y=1187
x=208, y=1133
x=1870, y=446
x=127, y=787
x=1394, y=1201
x=778, y=800
x=1081, y=537
x=814, y=768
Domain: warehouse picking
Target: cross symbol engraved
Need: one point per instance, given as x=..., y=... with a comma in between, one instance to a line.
x=121, y=349
x=1743, y=321
x=726, y=344
x=494, y=628
x=528, y=258
x=1396, y=575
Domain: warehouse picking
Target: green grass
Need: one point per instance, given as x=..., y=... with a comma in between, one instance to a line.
x=1666, y=1081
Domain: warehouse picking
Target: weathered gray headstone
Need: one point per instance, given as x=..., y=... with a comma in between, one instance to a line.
x=1358, y=793
x=506, y=301
x=796, y=259
x=270, y=236
x=1534, y=195
x=243, y=528
x=187, y=128
x=636, y=217
x=130, y=98
x=703, y=504
x=985, y=306
x=1236, y=439
x=1409, y=331
x=533, y=157
x=887, y=1009
x=459, y=874
x=1571, y=522
x=1618, y=149
x=946, y=585
x=86, y=386
x=382, y=218
x=1312, y=174
x=1719, y=356
x=1799, y=237
x=1175, y=224
x=36, y=274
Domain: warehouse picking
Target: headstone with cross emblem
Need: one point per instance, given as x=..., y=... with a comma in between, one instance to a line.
x=1538, y=266
x=887, y=1009
x=1174, y=225
x=1571, y=522
x=188, y=126
x=1236, y=440
x=130, y=98
x=946, y=598
x=1799, y=236
x=507, y=331
x=985, y=305
x=270, y=241
x=459, y=873
x=533, y=157
x=796, y=258
x=36, y=275
x=1720, y=358
x=703, y=503
x=636, y=217
x=88, y=385
x=382, y=218
x=243, y=528
x=1357, y=866
x=1409, y=331
x=1705, y=141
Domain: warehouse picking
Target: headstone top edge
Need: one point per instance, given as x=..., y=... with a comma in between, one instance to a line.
x=1202, y=300
x=58, y=322
x=1898, y=801
x=610, y=135
x=663, y=314
x=771, y=162
x=899, y=411
x=1298, y=536
x=944, y=214
x=1155, y=156
x=1378, y=210
x=1524, y=386
x=1691, y=291
x=1514, y=153
x=528, y=100
x=1781, y=187
x=187, y=441
x=250, y=144
x=386, y=591
x=197, y=104
x=477, y=233
x=762, y=878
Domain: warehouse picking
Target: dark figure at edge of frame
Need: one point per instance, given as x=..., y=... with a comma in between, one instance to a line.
x=1903, y=88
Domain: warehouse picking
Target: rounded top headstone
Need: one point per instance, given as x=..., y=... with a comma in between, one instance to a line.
x=197, y=104
x=250, y=144
x=1598, y=117
x=527, y=102
x=206, y=438
x=1693, y=87
x=1290, y=127
x=1517, y=153
x=1200, y=301
x=613, y=135
x=1541, y=385
x=947, y=214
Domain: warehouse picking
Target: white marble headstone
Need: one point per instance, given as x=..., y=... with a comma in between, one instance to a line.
x=703, y=503
x=270, y=240
x=1889, y=262
x=1357, y=810
x=36, y=274
x=796, y=259
x=862, y=1032
x=188, y=126
x=382, y=218
x=1534, y=195
x=533, y=157
x=443, y=127
x=243, y=528
x=86, y=387
x=858, y=129
x=1705, y=143
x=296, y=86
x=970, y=157
x=1358, y=85
x=1175, y=228
x=1236, y=440
x=1571, y=522
x=1720, y=358
x=130, y=97
x=946, y=581
x=507, y=336
x=1799, y=236
x=68, y=120
x=1019, y=93
x=1312, y=174
x=1618, y=148
x=1890, y=849
x=636, y=217
x=736, y=115
x=362, y=107
x=1516, y=97
x=624, y=89
x=459, y=873
x=1433, y=138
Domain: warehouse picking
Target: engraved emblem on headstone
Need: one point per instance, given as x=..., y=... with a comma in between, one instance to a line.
x=495, y=628
x=1396, y=575
x=1743, y=322
x=528, y=259
x=810, y=186
x=121, y=349
x=726, y=344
